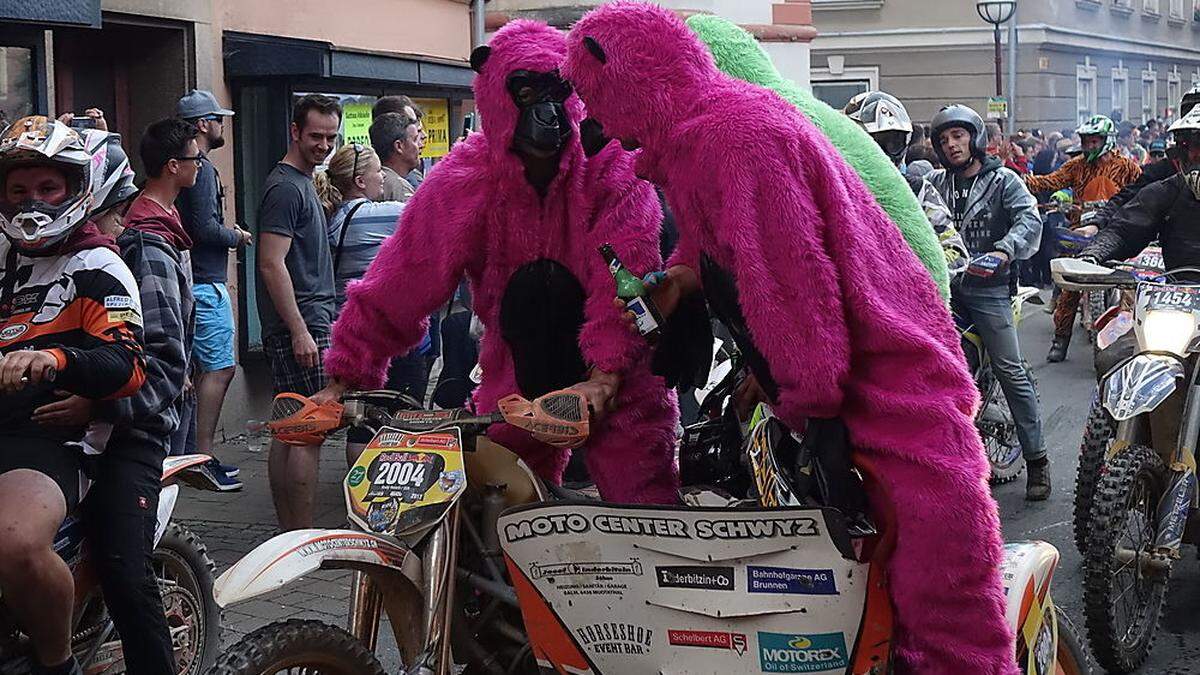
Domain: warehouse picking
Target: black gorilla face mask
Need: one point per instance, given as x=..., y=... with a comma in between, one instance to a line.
x=543, y=126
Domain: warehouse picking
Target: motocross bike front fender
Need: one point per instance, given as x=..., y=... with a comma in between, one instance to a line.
x=1028, y=569
x=1140, y=385
x=286, y=557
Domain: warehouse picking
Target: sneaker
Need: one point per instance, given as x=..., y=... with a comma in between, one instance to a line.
x=1037, y=486
x=222, y=481
x=70, y=667
x=229, y=469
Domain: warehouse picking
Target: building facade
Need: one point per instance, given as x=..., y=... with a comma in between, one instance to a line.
x=1075, y=58
x=784, y=28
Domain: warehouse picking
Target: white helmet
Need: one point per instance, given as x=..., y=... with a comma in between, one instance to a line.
x=36, y=140
x=1189, y=122
x=885, y=118
x=112, y=177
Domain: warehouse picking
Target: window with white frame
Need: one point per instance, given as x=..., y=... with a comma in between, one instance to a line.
x=1177, y=9
x=837, y=86
x=1120, y=92
x=1151, y=7
x=1085, y=91
x=1149, y=95
x=1125, y=4
x=1174, y=88
x=1196, y=11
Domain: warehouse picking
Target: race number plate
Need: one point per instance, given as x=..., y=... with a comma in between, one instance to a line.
x=1178, y=298
x=405, y=479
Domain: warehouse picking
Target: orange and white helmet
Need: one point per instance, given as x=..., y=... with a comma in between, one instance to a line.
x=36, y=140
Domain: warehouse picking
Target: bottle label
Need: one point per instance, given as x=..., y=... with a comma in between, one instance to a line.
x=645, y=320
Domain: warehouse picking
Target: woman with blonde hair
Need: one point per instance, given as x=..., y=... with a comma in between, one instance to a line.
x=358, y=226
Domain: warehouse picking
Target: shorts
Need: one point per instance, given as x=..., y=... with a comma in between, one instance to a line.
x=286, y=374
x=60, y=460
x=212, y=346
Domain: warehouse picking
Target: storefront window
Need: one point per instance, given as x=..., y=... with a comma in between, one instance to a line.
x=16, y=82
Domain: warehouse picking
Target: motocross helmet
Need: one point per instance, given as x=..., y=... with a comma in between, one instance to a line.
x=1189, y=100
x=112, y=183
x=960, y=116
x=1099, y=125
x=34, y=225
x=1186, y=130
x=885, y=118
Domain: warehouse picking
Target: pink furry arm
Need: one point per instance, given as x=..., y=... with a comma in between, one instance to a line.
x=628, y=217
x=417, y=269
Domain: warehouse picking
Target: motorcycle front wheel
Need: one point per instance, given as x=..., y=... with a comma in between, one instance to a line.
x=185, y=581
x=998, y=432
x=1071, y=655
x=298, y=646
x=1123, y=595
x=1098, y=433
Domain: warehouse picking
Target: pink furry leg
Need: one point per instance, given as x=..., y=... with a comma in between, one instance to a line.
x=947, y=556
x=631, y=454
x=547, y=461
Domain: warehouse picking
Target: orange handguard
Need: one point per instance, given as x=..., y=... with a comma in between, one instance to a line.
x=296, y=420
x=560, y=418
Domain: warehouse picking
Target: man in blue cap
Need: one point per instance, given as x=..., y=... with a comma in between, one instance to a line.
x=202, y=210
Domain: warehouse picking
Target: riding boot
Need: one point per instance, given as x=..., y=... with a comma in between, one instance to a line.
x=1037, y=487
x=1058, y=349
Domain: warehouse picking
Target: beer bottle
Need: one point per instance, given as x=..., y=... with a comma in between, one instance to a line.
x=633, y=292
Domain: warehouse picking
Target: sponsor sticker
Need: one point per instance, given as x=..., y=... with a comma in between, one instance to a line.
x=732, y=529
x=13, y=332
x=790, y=581
x=124, y=316
x=118, y=302
x=357, y=474
x=697, y=577
x=801, y=653
x=633, y=566
x=711, y=639
x=613, y=637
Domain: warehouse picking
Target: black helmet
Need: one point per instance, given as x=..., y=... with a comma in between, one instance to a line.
x=958, y=115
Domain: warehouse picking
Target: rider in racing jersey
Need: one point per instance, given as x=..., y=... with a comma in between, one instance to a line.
x=1095, y=176
x=1167, y=211
x=70, y=320
x=885, y=118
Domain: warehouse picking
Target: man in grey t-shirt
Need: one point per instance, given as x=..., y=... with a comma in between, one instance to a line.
x=296, y=306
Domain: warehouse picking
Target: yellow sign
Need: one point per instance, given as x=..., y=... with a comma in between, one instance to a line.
x=356, y=123
x=437, y=126
x=399, y=474
x=997, y=108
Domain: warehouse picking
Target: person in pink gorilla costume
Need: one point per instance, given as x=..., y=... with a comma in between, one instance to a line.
x=521, y=212
x=837, y=317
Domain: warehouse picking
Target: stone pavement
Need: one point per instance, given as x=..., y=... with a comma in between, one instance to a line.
x=233, y=523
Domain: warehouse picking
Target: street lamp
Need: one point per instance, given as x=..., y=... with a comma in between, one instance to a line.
x=996, y=12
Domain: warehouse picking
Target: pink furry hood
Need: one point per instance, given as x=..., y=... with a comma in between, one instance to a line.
x=643, y=88
x=520, y=45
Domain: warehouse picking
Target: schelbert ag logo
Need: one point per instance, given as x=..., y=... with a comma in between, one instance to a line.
x=13, y=332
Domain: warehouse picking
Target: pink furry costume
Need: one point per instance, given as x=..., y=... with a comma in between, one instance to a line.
x=540, y=287
x=847, y=321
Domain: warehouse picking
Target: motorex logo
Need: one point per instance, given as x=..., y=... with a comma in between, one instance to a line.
x=796, y=653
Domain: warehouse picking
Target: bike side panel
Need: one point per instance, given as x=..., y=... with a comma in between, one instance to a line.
x=1027, y=571
x=1140, y=385
x=291, y=555
x=630, y=589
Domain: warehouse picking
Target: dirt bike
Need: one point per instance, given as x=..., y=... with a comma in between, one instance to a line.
x=423, y=500
x=185, y=578
x=774, y=567
x=994, y=419
x=1145, y=499
x=1100, y=428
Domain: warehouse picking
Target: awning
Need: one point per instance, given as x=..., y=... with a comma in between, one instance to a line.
x=84, y=13
x=249, y=55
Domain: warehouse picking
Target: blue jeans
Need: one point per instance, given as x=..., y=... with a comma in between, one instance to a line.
x=990, y=309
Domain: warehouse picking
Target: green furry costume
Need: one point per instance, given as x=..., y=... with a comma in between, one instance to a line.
x=739, y=55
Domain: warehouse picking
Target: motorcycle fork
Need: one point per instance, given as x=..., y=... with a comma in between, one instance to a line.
x=366, y=605
x=1180, y=497
x=439, y=560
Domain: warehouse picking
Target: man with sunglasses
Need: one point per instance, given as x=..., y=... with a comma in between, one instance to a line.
x=202, y=210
